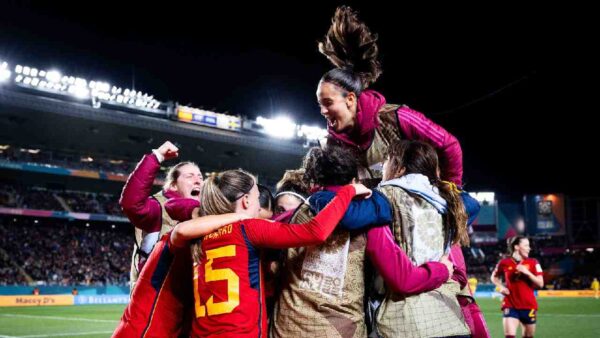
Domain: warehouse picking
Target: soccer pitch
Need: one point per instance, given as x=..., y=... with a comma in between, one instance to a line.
x=558, y=317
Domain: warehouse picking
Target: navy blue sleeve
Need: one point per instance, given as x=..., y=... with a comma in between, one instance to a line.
x=361, y=213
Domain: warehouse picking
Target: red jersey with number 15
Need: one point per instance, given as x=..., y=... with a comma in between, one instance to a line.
x=228, y=281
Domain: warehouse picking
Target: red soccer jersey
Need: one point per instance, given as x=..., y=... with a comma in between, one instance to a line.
x=161, y=302
x=228, y=280
x=521, y=287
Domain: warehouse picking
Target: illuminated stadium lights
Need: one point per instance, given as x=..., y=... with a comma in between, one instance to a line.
x=4, y=146
x=311, y=133
x=98, y=91
x=31, y=151
x=281, y=127
x=481, y=197
x=4, y=72
x=79, y=91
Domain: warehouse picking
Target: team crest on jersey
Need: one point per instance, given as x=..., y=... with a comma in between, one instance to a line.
x=324, y=267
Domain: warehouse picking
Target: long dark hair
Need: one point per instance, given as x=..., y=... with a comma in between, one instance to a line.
x=352, y=49
x=420, y=158
x=334, y=165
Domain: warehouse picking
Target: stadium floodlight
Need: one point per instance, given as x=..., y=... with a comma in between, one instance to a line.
x=311, y=133
x=80, y=82
x=481, y=197
x=4, y=74
x=79, y=87
x=79, y=91
x=103, y=86
x=280, y=127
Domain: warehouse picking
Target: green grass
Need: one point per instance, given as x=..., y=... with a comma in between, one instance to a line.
x=93, y=321
x=558, y=317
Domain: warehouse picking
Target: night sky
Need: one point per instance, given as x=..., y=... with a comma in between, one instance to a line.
x=515, y=84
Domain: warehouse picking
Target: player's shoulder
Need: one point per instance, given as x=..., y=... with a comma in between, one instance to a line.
x=252, y=221
x=505, y=261
x=532, y=261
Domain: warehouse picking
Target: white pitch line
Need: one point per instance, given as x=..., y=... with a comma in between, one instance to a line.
x=65, y=334
x=58, y=318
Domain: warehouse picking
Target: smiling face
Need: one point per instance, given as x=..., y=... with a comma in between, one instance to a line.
x=337, y=106
x=523, y=248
